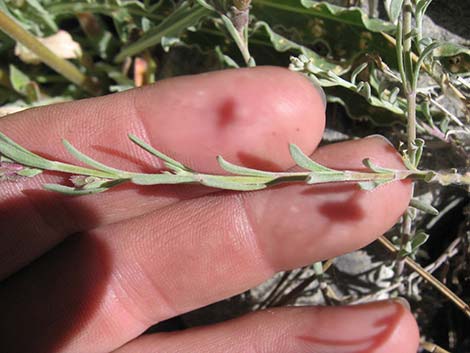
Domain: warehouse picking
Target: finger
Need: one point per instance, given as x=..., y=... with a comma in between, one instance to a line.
x=196, y=252
x=248, y=116
x=381, y=327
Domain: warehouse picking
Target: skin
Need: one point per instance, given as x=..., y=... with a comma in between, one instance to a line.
x=91, y=274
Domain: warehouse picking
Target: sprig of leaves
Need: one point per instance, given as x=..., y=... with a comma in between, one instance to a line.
x=97, y=177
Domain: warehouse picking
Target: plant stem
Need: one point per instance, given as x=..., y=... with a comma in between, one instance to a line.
x=405, y=61
x=62, y=66
x=239, y=18
x=411, y=122
x=428, y=277
x=433, y=348
x=408, y=61
x=407, y=37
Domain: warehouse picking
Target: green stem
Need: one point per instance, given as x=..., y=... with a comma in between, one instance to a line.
x=62, y=66
x=407, y=37
x=411, y=123
x=405, y=59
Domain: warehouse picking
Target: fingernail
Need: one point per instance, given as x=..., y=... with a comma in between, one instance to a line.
x=403, y=302
x=382, y=137
x=360, y=328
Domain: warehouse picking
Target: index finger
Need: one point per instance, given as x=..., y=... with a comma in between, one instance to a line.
x=248, y=116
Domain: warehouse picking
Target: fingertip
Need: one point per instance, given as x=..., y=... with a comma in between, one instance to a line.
x=396, y=196
x=405, y=336
x=291, y=222
x=247, y=115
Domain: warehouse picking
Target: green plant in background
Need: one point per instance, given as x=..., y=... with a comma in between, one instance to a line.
x=383, y=72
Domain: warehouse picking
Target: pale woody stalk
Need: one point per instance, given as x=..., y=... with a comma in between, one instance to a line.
x=44, y=54
x=405, y=65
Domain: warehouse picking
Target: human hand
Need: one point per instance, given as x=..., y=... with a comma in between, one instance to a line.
x=90, y=274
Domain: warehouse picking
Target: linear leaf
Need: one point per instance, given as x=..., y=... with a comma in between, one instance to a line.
x=423, y=206
x=88, y=160
x=170, y=162
x=178, y=21
x=17, y=153
x=305, y=162
x=29, y=172
x=419, y=239
x=375, y=168
x=71, y=190
x=353, y=16
x=393, y=8
x=239, y=170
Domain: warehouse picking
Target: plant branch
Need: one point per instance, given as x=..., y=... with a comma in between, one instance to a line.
x=237, y=26
x=100, y=177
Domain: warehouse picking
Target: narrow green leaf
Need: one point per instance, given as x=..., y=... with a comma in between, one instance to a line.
x=18, y=79
x=353, y=16
x=43, y=14
x=357, y=71
x=451, y=49
x=239, y=170
x=394, y=95
x=238, y=40
x=9, y=141
x=364, y=90
x=71, y=190
x=419, y=239
x=186, y=15
x=423, y=206
x=205, y=4
x=169, y=162
x=305, y=162
x=227, y=60
x=419, y=143
x=89, y=161
x=393, y=8
x=21, y=156
x=426, y=52
x=422, y=6
x=375, y=168
x=29, y=172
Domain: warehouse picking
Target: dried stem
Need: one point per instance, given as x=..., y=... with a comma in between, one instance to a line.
x=62, y=66
x=433, y=348
x=428, y=277
x=448, y=253
x=405, y=59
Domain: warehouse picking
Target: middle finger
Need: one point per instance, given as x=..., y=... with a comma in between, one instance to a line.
x=193, y=253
